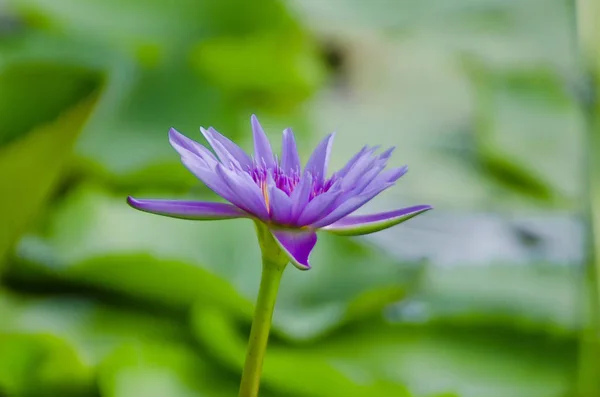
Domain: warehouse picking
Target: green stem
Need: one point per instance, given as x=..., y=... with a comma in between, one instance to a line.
x=261, y=325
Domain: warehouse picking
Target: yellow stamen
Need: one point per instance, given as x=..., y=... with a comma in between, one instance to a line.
x=265, y=193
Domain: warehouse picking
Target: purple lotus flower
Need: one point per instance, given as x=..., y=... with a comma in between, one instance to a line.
x=293, y=203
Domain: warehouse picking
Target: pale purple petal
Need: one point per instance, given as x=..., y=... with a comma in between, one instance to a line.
x=246, y=191
x=297, y=245
x=227, y=151
x=389, y=176
x=365, y=224
x=280, y=204
x=195, y=210
x=318, y=207
x=352, y=162
x=349, y=206
x=262, y=146
x=317, y=163
x=290, y=161
x=210, y=178
x=387, y=154
x=301, y=195
x=358, y=170
x=394, y=174
x=364, y=181
x=191, y=149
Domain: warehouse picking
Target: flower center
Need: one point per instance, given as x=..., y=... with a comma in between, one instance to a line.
x=286, y=182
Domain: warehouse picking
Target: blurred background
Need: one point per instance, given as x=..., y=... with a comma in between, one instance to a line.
x=487, y=101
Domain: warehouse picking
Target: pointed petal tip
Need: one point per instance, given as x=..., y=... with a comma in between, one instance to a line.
x=174, y=134
x=205, y=133
x=262, y=147
x=302, y=267
x=133, y=202
x=254, y=121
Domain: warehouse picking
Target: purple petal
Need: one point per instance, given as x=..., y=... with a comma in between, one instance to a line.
x=262, y=147
x=191, y=149
x=280, y=204
x=290, y=161
x=358, y=170
x=226, y=150
x=196, y=210
x=210, y=178
x=297, y=245
x=246, y=192
x=390, y=176
x=301, y=195
x=352, y=162
x=317, y=163
x=364, y=181
x=318, y=207
x=365, y=224
x=349, y=206
x=387, y=154
x=374, y=179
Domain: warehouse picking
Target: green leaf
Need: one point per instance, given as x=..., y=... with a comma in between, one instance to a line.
x=31, y=166
x=281, y=70
x=528, y=131
x=161, y=370
x=25, y=105
x=44, y=340
x=41, y=365
x=94, y=330
x=139, y=119
x=286, y=371
x=468, y=361
x=539, y=297
x=139, y=25
x=377, y=359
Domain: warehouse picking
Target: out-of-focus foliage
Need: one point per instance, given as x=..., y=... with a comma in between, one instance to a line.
x=97, y=299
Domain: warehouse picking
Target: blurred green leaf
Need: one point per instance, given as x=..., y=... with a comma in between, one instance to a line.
x=138, y=25
x=528, y=131
x=24, y=106
x=286, y=371
x=161, y=371
x=259, y=16
x=376, y=359
x=128, y=348
x=469, y=362
x=281, y=70
x=31, y=166
x=41, y=365
x=535, y=297
x=93, y=329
